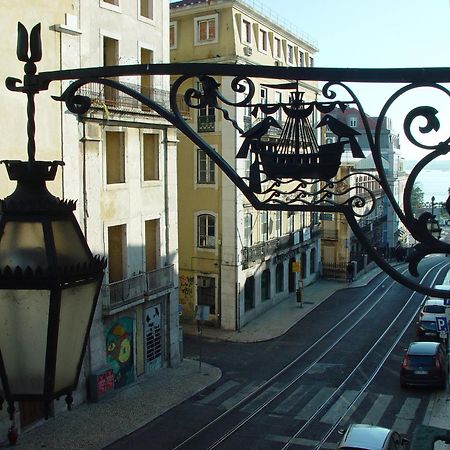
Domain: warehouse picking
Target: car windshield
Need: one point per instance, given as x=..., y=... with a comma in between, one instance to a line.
x=428, y=325
x=434, y=309
x=420, y=360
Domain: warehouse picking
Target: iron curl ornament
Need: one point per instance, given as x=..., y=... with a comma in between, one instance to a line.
x=294, y=171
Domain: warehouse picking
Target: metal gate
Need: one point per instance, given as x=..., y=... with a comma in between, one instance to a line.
x=153, y=337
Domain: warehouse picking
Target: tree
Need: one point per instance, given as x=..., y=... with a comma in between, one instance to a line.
x=417, y=195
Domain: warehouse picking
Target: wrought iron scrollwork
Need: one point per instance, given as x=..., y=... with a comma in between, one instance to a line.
x=289, y=167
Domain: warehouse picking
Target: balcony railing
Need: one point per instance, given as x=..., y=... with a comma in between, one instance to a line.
x=330, y=235
x=259, y=251
x=104, y=96
x=136, y=289
x=206, y=124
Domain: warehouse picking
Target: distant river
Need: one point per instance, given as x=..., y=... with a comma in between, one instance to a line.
x=434, y=180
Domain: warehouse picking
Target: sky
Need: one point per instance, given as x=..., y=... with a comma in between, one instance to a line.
x=378, y=34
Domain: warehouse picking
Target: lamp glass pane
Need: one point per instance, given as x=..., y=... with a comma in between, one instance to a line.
x=23, y=338
x=68, y=243
x=76, y=305
x=22, y=244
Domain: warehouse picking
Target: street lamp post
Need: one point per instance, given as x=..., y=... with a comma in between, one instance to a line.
x=49, y=281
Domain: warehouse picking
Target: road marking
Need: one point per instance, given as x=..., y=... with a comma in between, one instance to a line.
x=293, y=400
x=309, y=443
x=230, y=384
x=313, y=405
x=339, y=407
x=377, y=410
x=235, y=399
x=263, y=397
x=406, y=415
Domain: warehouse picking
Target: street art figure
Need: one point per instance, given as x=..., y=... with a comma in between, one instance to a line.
x=119, y=351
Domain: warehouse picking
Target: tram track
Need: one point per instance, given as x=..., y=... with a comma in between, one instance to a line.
x=233, y=418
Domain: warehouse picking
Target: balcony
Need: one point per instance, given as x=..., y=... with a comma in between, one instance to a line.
x=329, y=235
x=124, y=294
x=206, y=124
x=258, y=252
x=105, y=97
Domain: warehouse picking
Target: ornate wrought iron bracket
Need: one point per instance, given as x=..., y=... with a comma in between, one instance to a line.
x=294, y=172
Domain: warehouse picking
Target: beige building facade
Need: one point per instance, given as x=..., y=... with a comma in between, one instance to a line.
x=235, y=261
x=120, y=164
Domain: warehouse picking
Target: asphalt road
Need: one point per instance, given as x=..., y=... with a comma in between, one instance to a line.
x=338, y=365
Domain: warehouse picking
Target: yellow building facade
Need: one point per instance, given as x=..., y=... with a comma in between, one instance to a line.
x=234, y=261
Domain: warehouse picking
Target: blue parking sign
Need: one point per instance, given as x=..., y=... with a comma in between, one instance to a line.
x=442, y=324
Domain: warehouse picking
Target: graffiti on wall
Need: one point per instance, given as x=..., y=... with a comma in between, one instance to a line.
x=187, y=295
x=120, y=350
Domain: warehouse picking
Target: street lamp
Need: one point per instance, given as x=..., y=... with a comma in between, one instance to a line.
x=49, y=282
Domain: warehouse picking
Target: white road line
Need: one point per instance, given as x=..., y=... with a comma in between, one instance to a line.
x=406, y=415
x=230, y=384
x=314, y=404
x=377, y=410
x=244, y=392
x=339, y=407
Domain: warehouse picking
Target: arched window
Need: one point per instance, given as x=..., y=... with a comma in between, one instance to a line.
x=249, y=293
x=312, y=261
x=265, y=285
x=206, y=231
x=279, y=278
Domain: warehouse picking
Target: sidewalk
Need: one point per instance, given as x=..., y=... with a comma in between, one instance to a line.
x=95, y=425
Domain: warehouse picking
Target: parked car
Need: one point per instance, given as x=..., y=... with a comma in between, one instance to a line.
x=371, y=437
x=425, y=364
x=432, y=308
x=427, y=331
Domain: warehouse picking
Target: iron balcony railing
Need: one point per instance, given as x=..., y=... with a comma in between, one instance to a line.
x=330, y=235
x=105, y=97
x=139, y=287
x=206, y=124
x=260, y=251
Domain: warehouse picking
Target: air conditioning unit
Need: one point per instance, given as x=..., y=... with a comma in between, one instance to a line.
x=248, y=51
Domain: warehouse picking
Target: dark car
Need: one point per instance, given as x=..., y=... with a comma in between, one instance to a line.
x=427, y=331
x=425, y=364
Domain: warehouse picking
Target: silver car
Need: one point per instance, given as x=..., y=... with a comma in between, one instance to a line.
x=370, y=437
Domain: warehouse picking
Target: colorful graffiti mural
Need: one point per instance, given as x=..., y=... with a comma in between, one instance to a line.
x=120, y=350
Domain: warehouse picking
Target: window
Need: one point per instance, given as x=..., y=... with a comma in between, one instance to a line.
x=206, y=293
x=173, y=35
x=353, y=122
x=278, y=223
x=279, y=278
x=279, y=100
x=115, y=157
x=277, y=47
x=291, y=221
x=146, y=8
x=152, y=244
x=265, y=285
x=110, y=58
x=206, y=231
x=206, y=29
x=146, y=80
x=263, y=95
x=290, y=54
x=111, y=2
x=206, y=169
x=248, y=225
x=246, y=32
x=263, y=41
x=264, y=220
x=301, y=59
x=117, y=237
x=249, y=293
x=150, y=150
